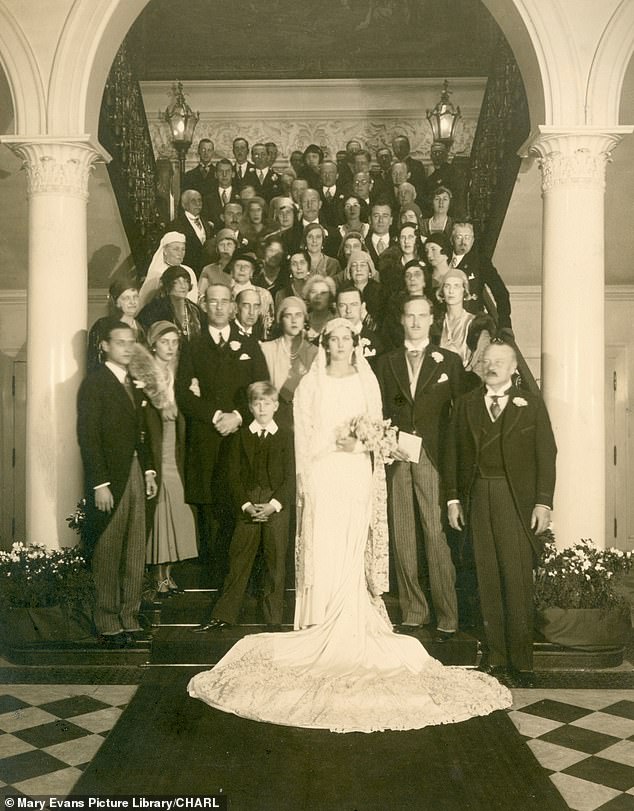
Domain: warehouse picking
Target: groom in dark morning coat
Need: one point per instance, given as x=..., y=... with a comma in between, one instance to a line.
x=211, y=390
x=418, y=383
x=500, y=479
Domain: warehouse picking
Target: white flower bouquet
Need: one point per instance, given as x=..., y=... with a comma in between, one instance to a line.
x=377, y=436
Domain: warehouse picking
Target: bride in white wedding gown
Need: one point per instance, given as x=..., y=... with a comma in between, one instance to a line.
x=343, y=668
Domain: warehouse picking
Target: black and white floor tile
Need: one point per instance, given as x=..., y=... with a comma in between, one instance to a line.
x=49, y=733
x=583, y=738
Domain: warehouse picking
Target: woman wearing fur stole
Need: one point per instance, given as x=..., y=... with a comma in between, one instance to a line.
x=172, y=531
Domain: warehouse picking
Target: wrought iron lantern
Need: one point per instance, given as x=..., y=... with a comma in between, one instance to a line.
x=182, y=121
x=443, y=118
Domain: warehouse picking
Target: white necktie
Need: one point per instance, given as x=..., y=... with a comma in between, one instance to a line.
x=455, y=262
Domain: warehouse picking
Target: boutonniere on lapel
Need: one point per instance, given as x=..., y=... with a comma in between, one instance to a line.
x=520, y=402
x=443, y=378
x=399, y=400
x=369, y=351
x=274, y=176
x=471, y=276
x=143, y=403
x=437, y=357
x=234, y=345
x=138, y=384
x=244, y=356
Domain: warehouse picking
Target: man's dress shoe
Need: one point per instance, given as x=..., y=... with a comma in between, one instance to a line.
x=113, y=641
x=443, y=636
x=137, y=635
x=410, y=630
x=212, y=625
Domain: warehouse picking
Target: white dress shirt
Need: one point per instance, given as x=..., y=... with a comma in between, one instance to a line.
x=197, y=225
x=410, y=346
x=501, y=393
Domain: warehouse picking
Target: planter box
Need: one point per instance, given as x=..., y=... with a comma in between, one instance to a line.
x=52, y=624
x=589, y=629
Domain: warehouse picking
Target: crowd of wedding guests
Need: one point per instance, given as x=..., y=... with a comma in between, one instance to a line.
x=242, y=285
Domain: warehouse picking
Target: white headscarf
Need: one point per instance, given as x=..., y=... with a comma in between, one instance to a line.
x=152, y=282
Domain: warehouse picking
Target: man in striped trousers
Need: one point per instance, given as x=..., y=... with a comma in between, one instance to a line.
x=119, y=477
x=419, y=382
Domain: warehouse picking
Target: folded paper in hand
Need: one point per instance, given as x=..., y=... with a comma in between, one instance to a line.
x=410, y=444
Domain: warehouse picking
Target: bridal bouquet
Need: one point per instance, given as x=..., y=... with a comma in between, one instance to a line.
x=377, y=436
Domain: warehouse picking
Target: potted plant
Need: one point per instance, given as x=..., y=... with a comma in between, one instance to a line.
x=577, y=604
x=45, y=594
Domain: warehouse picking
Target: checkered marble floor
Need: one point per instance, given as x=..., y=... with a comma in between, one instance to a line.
x=50, y=732
x=584, y=739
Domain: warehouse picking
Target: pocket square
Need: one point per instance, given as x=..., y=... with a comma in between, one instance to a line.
x=443, y=378
x=244, y=356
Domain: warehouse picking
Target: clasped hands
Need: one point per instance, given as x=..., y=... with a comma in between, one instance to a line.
x=227, y=422
x=260, y=512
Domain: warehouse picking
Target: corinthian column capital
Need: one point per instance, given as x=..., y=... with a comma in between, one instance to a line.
x=573, y=156
x=57, y=165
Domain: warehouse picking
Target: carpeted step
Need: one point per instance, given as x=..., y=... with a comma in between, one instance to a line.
x=83, y=653
x=195, y=605
x=176, y=644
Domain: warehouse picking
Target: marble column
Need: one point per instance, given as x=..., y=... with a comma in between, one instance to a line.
x=573, y=168
x=57, y=173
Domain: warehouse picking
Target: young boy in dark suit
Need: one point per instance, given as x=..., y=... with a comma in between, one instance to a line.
x=261, y=478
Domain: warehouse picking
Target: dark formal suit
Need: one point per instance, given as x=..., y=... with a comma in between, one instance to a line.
x=426, y=414
x=203, y=182
x=372, y=346
x=417, y=176
x=331, y=213
x=259, y=470
x=110, y=430
x=223, y=374
x=269, y=187
x=195, y=256
x=372, y=250
x=444, y=176
x=215, y=204
x=480, y=272
x=499, y=470
x=243, y=179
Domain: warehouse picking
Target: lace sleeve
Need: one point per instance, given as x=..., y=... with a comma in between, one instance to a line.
x=377, y=547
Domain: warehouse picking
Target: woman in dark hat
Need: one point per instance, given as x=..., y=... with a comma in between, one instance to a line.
x=171, y=526
x=173, y=305
x=123, y=301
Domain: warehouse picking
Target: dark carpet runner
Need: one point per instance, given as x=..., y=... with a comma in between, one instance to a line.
x=169, y=744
